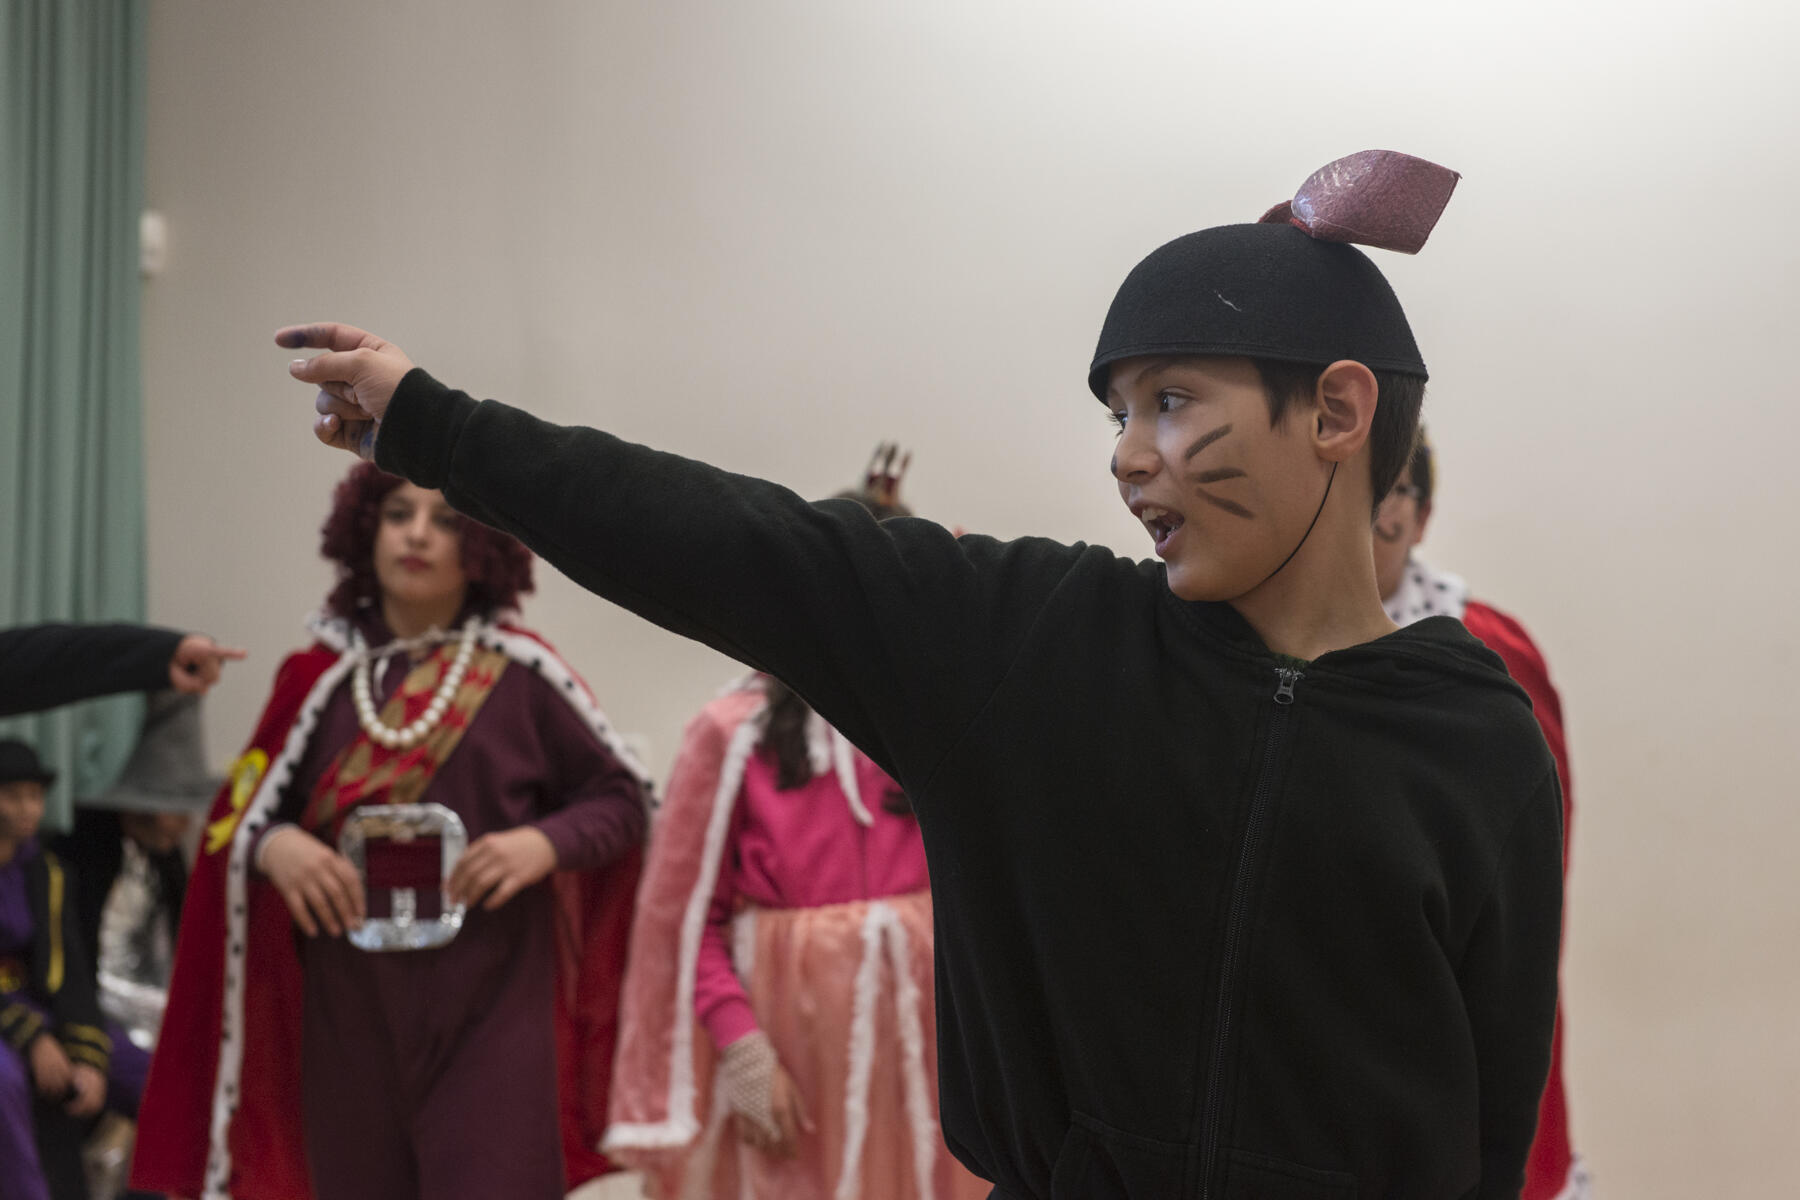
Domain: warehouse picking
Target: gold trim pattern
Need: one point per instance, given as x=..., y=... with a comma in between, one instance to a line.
x=88, y=1034
x=53, y=978
x=87, y=1054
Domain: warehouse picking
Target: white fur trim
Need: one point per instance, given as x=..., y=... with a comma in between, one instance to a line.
x=527, y=651
x=818, y=743
x=742, y=683
x=862, y=1051
x=829, y=750
x=682, y=1124
x=334, y=633
x=256, y=814
x=844, y=760
x=743, y=945
x=1580, y=1185
x=1425, y=591
x=909, y=1013
x=885, y=944
x=330, y=631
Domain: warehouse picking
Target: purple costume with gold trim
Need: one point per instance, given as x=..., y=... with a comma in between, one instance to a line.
x=46, y=989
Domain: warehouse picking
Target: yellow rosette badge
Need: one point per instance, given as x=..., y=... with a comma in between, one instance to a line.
x=246, y=773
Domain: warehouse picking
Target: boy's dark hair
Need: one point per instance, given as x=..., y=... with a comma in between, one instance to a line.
x=1422, y=470
x=1392, y=436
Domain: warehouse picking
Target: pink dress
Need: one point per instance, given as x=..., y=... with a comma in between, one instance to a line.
x=803, y=913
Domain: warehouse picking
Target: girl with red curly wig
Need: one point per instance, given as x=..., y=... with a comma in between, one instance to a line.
x=412, y=899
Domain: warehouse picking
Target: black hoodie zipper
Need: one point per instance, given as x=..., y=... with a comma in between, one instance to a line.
x=1255, y=828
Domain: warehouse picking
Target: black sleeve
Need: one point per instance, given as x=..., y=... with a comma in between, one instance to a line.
x=1508, y=978
x=44, y=666
x=172, y=874
x=94, y=853
x=896, y=632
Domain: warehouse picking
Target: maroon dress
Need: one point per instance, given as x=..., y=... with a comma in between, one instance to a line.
x=433, y=1072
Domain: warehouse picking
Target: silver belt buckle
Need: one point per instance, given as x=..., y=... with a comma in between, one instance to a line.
x=404, y=854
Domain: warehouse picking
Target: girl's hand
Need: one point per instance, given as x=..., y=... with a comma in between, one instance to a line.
x=501, y=865
x=770, y=1114
x=789, y=1111
x=89, y=1084
x=50, y=1068
x=321, y=888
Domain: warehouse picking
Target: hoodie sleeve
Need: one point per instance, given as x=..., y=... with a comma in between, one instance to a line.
x=895, y=631
x=1508, y=978
x=45, y=666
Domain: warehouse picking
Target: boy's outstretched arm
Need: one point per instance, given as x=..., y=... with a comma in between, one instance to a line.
x=1508, y=977
x=897, y=632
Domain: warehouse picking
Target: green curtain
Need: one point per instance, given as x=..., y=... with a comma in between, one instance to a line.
x=71, y=442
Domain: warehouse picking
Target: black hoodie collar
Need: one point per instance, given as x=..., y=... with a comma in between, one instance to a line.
x=1432, y=653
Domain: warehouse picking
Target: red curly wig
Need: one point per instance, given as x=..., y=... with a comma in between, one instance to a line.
x=497, y=565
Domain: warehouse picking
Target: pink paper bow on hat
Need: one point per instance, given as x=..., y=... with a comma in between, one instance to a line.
x=1379, y=198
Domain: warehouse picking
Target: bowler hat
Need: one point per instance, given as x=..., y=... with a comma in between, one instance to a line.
x=19, y=762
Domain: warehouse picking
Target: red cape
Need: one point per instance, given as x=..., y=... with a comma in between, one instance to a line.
x=1548, y=1170
x=212, y=1127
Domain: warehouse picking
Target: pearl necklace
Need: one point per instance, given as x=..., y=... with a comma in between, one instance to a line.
x=361, y=689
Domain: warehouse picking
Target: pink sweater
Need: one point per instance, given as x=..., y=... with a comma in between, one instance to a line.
x=798, y=849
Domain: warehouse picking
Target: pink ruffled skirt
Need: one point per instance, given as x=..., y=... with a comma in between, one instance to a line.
x=845, y=994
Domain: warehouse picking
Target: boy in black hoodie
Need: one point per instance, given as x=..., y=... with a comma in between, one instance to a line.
x=1241, y=891
x=53, y=1052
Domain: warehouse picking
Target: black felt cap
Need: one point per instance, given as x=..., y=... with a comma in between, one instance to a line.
x=1259, y=291
x=19, y=762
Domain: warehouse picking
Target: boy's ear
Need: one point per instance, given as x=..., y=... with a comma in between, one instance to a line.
x=1343, y=410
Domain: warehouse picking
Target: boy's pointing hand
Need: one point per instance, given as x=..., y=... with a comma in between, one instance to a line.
x=356, y=377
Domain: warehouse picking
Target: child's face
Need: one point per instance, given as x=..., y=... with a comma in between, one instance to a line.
x=156, y=832
x=1224, y=496
x=1399, y=526
x=418, y=548
x=21, y=809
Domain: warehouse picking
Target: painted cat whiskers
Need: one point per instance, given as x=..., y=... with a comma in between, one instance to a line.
x=1214, y=474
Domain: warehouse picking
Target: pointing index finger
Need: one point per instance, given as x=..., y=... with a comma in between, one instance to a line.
x=326, y=335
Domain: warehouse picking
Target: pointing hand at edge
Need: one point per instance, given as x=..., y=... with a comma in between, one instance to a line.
x=197, y=661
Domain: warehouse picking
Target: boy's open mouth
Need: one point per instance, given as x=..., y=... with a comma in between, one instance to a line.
x=1161, y=523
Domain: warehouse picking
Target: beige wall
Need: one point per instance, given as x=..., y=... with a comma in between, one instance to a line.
x=769, y=234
